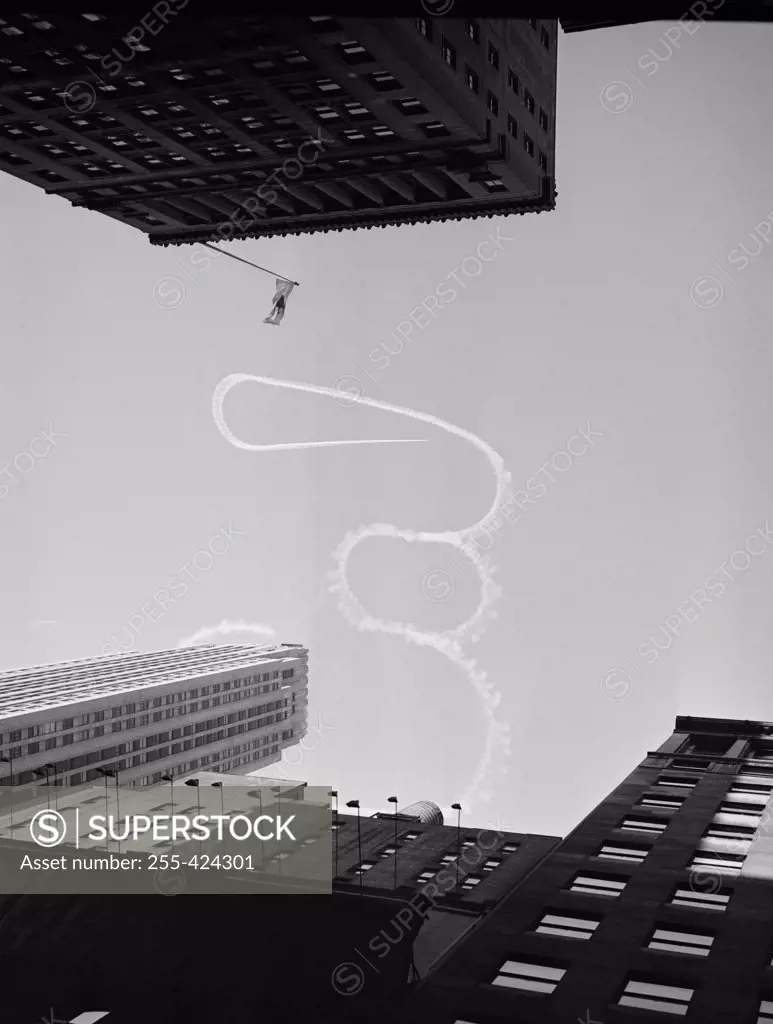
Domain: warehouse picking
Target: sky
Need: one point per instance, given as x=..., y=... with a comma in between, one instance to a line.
x=635, y=312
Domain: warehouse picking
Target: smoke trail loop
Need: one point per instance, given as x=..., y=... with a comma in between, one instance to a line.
x=448, y=642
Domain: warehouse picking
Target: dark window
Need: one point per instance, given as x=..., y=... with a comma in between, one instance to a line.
x=434, y=129
x=513, y=81
x=512, y=126
x=493, y=103
x=528, y=145
x=353, y=52
x=424, y=26
x=493, y=56
x=545, y=37
x=705, y=744
x=409, y=106
x=449, y=53
x=472, y=31
x=543, y=161
x=650, y=992
x=543, y=120
x=528, y=101
x=470, y=78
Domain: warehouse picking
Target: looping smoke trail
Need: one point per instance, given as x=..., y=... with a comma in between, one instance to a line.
x=448, y=642
x=206, y=633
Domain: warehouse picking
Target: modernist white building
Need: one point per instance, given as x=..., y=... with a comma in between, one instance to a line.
x=230, y=708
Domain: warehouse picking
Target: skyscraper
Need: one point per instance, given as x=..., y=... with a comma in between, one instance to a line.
x=226, y=708
x=208, y=127
x=658, y=901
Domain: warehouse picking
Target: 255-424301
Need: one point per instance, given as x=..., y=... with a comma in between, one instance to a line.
x=202, y=862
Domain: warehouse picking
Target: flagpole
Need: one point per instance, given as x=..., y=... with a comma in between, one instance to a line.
x=255, y=265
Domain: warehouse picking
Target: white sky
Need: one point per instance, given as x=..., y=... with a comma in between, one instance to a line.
x=586, y=316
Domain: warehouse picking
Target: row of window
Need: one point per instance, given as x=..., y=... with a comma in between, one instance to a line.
x=204, y=762
x=468, y=882
x=640, y=991
x=471, y=78
x=204, y=739
x=492, y=101
x=126, y=725
x=733, y=826
x=131, y=708
x=473, y=32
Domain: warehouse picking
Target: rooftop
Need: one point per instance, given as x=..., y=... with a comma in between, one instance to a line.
x=44, y=687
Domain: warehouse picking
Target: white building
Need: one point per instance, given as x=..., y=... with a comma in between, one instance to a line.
x=231, y=708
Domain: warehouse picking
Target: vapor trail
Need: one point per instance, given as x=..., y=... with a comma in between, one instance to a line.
x=448, y=642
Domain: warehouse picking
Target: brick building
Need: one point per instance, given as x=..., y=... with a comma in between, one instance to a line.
x=657, y=905
x=199, y=127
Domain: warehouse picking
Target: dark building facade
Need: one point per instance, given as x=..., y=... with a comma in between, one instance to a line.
x=398, y=905
x=452, y=877
x=658, y=905
x=195, y=128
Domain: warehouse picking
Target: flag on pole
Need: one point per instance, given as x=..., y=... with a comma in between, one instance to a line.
x=282, y=294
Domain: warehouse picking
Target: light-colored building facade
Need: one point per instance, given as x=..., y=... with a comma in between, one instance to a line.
x=231, y=708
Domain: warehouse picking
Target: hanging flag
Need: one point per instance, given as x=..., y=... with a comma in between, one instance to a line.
x=282, y=294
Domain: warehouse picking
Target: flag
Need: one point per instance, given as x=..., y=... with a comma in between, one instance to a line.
x=282, y=294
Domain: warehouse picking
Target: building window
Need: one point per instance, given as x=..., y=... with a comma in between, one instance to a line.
x=591, y=884
x=528, y=101
x=645, y=993
x=388, y=851
x=677, y=781
x=470, y=78
x=567, y=926
x=472, y=31
x=512, y=126
x=765, y=1011
x=685, y=940
x=493, y=103
x=449, y=53
x=545, y=37
x=533, y=23
x=493, y=56
x=513, y=81
x=502, y=145
x=758, y=752
x=410, y=106
x=353, y=52
x=731, y=833
x=382, y=81
x=423, y=25
x=528, y=145
x=471, y=881
x=543, y=120
x=727, y=863
x=684, y=765
x=433, y=129
x=653, y=826
x=738, y=814
x=671, y=803
x=510, y=848
x=410, y=835
x=631, y=852
x=700, y=900
x=426, y=875
x=745, y=793
x=491, y=864
x=530, y=976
